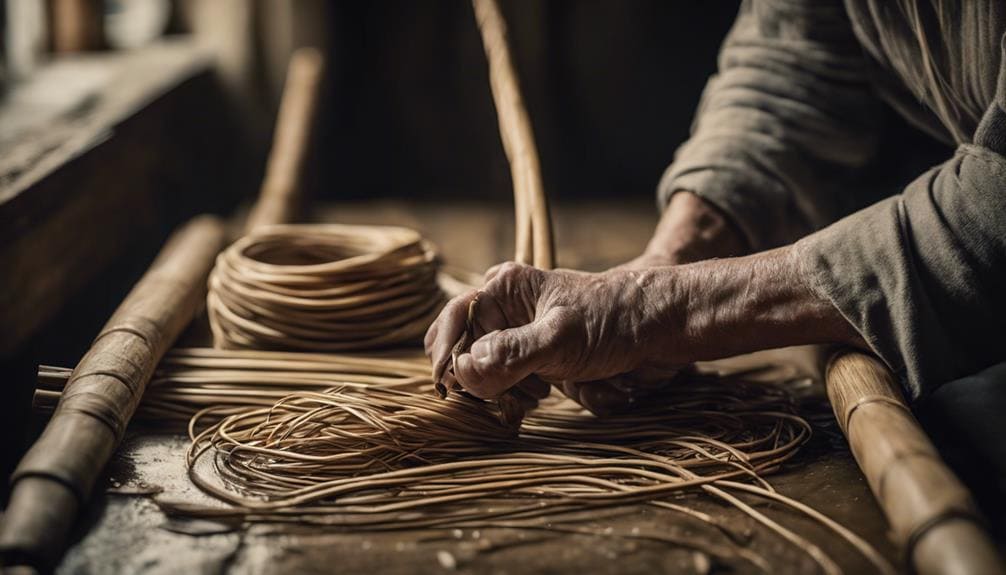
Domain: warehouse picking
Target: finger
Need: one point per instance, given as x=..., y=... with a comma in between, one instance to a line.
x=430, y=337
x=623, y=383
x=447, y=330
x=602, y=398
x=570, y=389
x=489, y=315
x=491, y=272
x=535, y=387
x=598, y=397
x=527, y=401
x=497, y=361
x=515, y=288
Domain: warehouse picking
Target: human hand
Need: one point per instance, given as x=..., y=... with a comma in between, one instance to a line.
x=573, y=329
x=690, y=230
x=638, y=326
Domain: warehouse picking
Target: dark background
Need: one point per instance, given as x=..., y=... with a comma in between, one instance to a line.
x=610, y=86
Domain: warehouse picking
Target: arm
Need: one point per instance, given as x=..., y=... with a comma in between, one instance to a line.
x=781, y=130
x=690, y=229
x=922, y=276
x=570, y=327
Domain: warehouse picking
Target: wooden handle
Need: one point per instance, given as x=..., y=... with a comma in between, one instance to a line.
x=57, y=474
x=932, y=516
x=279, y=198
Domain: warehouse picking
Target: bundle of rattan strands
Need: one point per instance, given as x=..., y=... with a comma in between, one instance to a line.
x=387, y=454
x=323, y=287
x=189, y=380
x=361, y=442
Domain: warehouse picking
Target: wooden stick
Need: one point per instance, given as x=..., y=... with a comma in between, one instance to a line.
x=279, y=198
x=57, y=474
x=932, y=515
x=533, y=225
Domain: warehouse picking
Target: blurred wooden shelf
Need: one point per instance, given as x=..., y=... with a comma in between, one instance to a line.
x=96, y=152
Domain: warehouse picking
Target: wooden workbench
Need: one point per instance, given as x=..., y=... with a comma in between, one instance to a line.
x=126, y=532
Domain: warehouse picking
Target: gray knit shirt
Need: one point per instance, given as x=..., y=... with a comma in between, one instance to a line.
x=791, y=119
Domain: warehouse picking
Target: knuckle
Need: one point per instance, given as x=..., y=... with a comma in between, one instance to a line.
x=503, y=354
x=492, y=271
x=510, y=351
x=509, y=268
x=509, y=271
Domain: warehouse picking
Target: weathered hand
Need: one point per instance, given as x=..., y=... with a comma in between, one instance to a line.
x=630, y=327
x=566, y=327
x=690, y=230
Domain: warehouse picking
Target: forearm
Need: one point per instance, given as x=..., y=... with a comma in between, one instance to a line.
x=727, y=307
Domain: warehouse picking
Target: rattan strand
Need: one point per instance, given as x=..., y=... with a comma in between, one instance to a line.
x=324, y=287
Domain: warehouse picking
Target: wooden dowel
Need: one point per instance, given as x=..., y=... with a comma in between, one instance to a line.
x=932, y=516
x=279, y=198
x=533, y=225
x=57, y=474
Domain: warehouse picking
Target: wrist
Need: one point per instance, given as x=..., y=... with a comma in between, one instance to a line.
x=692, y=229
x=653, y=318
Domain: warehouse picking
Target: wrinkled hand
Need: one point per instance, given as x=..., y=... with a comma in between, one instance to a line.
x=570, y=328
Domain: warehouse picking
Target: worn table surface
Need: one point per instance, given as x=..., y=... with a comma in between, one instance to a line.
x=125, y=533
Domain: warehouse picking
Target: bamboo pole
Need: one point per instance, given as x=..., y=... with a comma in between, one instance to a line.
x=57, y=474
x=279, y=197
x=933, y=518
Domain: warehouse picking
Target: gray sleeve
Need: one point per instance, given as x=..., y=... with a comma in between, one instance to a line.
x=922, y=275
x=784, y=125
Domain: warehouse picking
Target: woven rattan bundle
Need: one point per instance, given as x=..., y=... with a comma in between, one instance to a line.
x=323, y=287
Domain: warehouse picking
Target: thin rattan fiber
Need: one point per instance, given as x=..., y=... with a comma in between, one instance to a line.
x=365, y=444
x=323, y=287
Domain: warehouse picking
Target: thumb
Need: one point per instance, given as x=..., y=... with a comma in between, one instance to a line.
x=500, y=359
